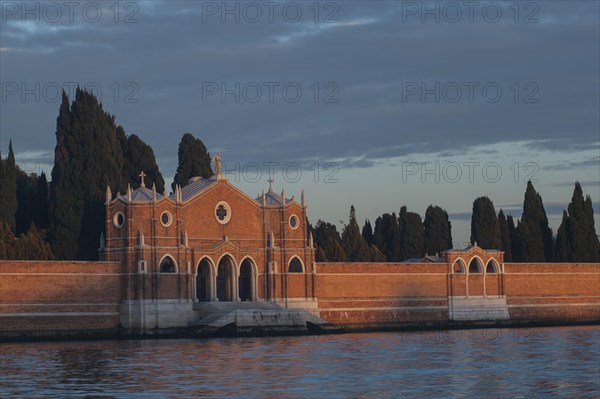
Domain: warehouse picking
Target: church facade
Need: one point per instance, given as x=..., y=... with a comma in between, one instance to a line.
x=210, y=258
x=207, y=242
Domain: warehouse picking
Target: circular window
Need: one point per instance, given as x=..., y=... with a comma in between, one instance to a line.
x=166, y=218
x=222, y=212
x=294, y=222
x=119, y=219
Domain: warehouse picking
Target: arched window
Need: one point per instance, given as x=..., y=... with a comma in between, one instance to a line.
x=295, y=266
x=167, y=265
x=459, y=267
x=492, y=267
x=475, y=266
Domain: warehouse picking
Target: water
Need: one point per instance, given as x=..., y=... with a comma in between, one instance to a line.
x=508, y=363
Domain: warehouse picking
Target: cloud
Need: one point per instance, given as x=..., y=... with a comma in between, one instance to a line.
x=367, y=61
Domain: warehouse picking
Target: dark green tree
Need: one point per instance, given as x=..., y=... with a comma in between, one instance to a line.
x=329, y=241
x=137, y=157
x=582, y=244
x=376, y=255
x=27, y=186
x=194, y=160
x=367, y=232
x=87, y=158
x=390, y=245
x=412, y=235
x=484, y=224
x=505, y=242
x=515, y=240
x=378, y=238
x=42, y=217
x=355, y=246
x=8, y=189
x=561, y=246
x=29, y=246
x=438, y=230
x=538, y=241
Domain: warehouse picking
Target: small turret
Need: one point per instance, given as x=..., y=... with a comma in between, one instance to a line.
x=108, y=194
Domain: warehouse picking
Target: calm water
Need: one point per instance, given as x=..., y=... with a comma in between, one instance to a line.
x=509, y=363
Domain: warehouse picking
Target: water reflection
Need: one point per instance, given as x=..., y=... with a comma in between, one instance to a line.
x=551, y=362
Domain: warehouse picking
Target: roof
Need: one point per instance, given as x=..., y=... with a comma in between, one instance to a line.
x=471, y=248
x=425, y=259
x=142, y=194
x=195, y=186
x=272, y=199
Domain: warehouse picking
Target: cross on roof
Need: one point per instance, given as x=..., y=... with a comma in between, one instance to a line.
x=142, y=175
x=270, y=180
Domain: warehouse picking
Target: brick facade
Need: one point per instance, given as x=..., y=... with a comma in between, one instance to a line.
x=163, y=256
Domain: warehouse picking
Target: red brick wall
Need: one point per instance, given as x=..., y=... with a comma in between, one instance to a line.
x=58, y=296
x=553, y=291
x=387, y=293
x=382, y=293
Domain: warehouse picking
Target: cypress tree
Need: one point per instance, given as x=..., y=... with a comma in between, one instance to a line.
x=580, y=239
x=378, y=238
x=8, y=189
x=484, y=224
x=538, y=241
x=367, y=232
x=355, y=246
x=139, y=156
x=515, y=240
x=412, y=240
x=328, y=240
x=561, y=247
x=194, y=160
x=41, y=218
x=438, y=230
x=505, y=239
x=87, y=158
x=29, y=246
x=26, y=202
x=375, y=254
x=391, y=237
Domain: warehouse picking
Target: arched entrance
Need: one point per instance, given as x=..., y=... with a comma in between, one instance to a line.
x=247, y=287
x=204, y=281
x=225, y=279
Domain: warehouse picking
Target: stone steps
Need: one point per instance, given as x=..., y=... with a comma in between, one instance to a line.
x=254, y=315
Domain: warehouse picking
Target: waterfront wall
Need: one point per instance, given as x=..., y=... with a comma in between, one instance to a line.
x=553, y=292
x=396, y=294
x=41, y=298
x=379, y=294
x=84, y=298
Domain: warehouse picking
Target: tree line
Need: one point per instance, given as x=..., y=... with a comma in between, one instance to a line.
x=408, y=237
x=64, y=218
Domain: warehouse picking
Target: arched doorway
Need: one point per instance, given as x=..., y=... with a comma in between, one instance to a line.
x=204, y=281
x=225, y=279
x=247, y=287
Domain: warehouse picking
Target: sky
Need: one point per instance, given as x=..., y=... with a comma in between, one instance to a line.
x=374, y=104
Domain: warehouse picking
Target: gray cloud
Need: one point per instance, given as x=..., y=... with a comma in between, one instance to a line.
x=371, y=56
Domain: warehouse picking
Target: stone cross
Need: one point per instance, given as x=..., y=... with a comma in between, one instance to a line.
x=142, y=175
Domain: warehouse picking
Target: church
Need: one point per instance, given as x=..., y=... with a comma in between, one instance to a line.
x=208, y=242
x=209, y=259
